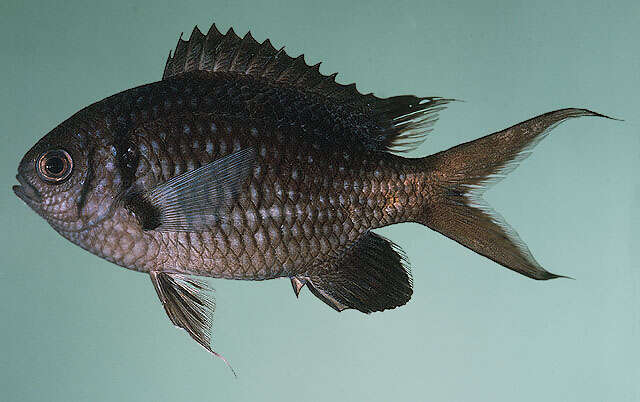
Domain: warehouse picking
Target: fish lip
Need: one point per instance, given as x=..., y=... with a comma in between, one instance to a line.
x=26, y=192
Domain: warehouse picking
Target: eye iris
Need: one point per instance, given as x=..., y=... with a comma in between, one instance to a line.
x=54, y=165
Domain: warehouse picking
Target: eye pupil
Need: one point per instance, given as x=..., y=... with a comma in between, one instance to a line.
x=54, y=165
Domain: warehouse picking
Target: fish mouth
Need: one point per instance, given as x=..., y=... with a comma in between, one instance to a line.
x=26, y=192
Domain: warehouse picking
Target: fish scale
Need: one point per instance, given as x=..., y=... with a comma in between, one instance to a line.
x=246, y=163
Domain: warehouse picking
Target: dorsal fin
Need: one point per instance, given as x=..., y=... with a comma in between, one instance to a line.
x=230, y=53
x=400, y=121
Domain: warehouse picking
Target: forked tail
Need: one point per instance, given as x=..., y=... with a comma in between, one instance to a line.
x=461, y=175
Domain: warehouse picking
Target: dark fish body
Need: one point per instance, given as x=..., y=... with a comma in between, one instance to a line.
x=305, y=199
x=244, y=163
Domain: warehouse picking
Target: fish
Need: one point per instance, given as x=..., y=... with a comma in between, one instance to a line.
x=245, y=163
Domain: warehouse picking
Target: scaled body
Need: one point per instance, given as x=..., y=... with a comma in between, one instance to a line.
x=305, y=199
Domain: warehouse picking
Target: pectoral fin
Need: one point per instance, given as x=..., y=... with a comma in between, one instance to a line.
x=196, y=199
x=190, y=304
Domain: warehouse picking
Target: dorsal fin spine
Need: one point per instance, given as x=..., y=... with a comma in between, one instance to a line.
x=194, y=50
x=246, y=52
x=212, y=39
x=252, y=64
x=238, y=47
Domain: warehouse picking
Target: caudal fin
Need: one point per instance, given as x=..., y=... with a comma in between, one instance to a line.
x=464, y=172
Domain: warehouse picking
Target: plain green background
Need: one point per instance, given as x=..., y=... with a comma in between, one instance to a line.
x=76, y=328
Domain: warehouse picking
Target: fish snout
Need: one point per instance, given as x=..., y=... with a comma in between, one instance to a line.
x=26, y=192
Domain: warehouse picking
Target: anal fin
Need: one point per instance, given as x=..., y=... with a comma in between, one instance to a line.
x=371, y=275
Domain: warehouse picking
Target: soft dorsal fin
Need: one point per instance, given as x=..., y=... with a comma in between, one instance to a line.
x=401, y=120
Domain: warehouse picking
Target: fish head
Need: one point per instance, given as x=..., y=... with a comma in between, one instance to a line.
x=52, y=175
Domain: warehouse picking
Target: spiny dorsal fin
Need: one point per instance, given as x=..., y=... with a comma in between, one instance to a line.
x=401, y=121
x=230, y=53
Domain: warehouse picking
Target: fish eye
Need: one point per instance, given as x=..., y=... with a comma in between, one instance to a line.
x=54, y=166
